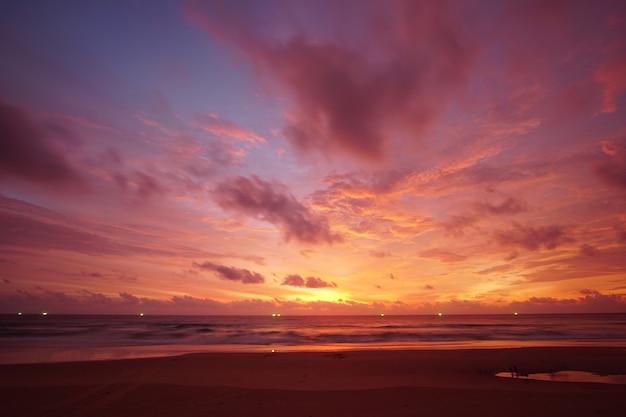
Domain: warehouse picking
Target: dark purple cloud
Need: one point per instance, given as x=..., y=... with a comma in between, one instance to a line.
x=534, y=238
x=272, y=202
x=28, y=150
x=296, y=280
x=230, y=273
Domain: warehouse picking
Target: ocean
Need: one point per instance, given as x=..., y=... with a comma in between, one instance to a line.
x=55, y=338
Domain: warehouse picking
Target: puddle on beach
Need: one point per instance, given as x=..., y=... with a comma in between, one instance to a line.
x=569, y=376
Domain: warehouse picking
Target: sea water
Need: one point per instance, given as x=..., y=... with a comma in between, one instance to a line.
x=50, y=338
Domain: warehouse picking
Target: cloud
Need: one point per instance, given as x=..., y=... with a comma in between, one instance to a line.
x=612, y=169
x=497, y=268
x=456, y=225
x=144, y=185
x=534, y=238
x=590, y=302
x=32, y=151
x=212, y=123
x=129, y=298
x=442, y=255
x=32, y=227
x=296, y=280
x=588, y=250
x=512, y=205
x=272, y=202
x=230, y=273
x=379, y=254
x=347, y=96
x=611, y=74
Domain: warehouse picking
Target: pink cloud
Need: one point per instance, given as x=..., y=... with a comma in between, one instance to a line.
x=212, y=123
x=612, y=76
x=230, y=273
x=140, y=183
x=296, y=280
x=84, y=122
x=612, y=169
x=272, y=202
x=31, y=150
x=347, y=97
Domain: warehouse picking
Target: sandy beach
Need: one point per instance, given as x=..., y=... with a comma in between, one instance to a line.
x=355, y=383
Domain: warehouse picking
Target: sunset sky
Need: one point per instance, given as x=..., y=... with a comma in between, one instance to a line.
x=312, y=157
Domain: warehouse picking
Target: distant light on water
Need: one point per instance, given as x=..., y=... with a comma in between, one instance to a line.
x=515, y=314
x=45, y=313
x=141, y=314
x=19, y=313
x=382, y=314
x=440, y=314
x=275, y=314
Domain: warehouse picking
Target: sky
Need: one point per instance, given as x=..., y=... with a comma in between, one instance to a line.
x=328, y=157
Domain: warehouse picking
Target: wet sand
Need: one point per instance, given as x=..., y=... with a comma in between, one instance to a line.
x=356, y=383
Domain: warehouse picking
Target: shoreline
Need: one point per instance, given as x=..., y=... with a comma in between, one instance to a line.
x=361, y=382
x=20, y=354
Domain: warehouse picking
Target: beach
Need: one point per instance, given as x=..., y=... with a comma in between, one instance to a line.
x=347, y=383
